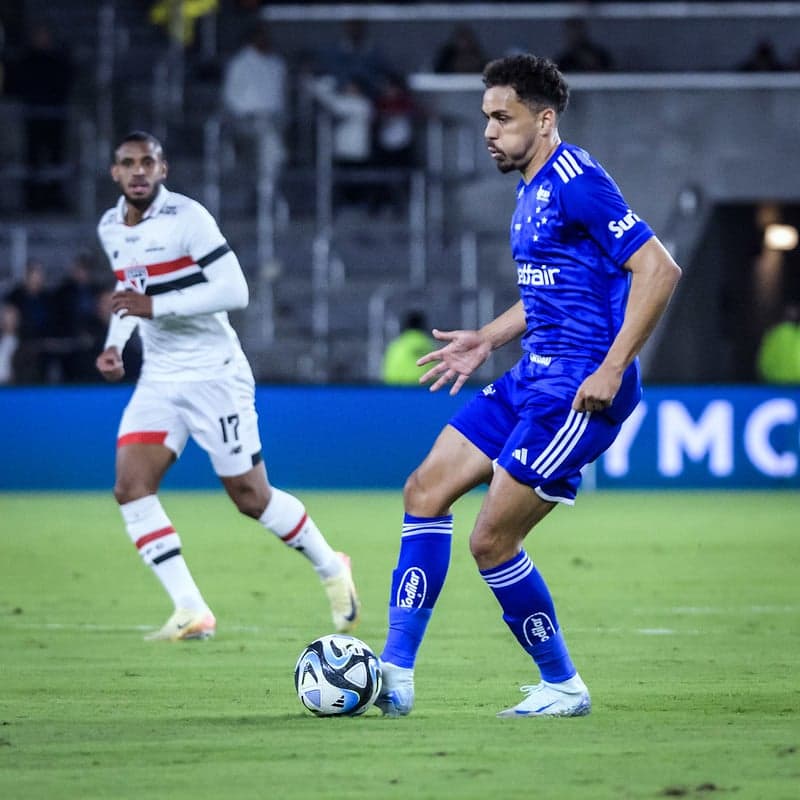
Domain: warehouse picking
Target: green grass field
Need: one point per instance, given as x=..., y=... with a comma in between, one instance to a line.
x=681, y=611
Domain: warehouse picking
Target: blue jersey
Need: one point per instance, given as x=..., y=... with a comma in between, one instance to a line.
x=570, y=235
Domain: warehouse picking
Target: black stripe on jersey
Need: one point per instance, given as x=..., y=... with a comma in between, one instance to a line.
x=178, y=283
x=166, y=556
x=213, y=255
x=256, y=458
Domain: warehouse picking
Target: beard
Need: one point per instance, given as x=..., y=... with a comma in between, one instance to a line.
x=142, y=203
x=504, y=165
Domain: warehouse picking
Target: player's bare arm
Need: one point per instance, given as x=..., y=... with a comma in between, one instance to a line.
x=466, y=351
x=655, y=275
x=109, y=365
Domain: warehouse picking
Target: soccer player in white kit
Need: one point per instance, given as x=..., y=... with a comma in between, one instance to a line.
x=177, y=278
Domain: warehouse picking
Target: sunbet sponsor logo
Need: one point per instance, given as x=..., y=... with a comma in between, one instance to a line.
x=619, y=226
x=413, y=588
x=538, y=628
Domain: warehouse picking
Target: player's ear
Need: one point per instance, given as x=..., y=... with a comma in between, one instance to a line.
x=114, y=173
x=164, y=168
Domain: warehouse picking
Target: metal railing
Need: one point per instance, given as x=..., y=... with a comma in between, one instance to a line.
x=388, y=304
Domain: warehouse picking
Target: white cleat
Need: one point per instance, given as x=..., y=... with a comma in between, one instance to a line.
x=185, y=624
x=566, y=699
x=342, y=595
x=396, y=698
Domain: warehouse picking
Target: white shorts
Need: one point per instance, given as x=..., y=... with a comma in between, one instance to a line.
x=220, y=415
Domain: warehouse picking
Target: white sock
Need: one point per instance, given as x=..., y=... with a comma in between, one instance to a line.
x=160, y=548
x=286, y=517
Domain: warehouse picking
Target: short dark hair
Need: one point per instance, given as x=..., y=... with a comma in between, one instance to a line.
x=141, y=136
x=415, y=319
x=537, y=81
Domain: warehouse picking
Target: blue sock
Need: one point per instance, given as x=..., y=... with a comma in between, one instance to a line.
x=529, y=612
x=416, y=583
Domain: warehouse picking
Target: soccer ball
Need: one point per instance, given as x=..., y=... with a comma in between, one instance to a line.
x=337, y=675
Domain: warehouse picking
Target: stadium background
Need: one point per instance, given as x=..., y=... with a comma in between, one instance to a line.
x=703, y=149
x=679, y=605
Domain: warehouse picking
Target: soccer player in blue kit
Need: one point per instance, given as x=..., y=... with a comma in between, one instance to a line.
x=593, y=282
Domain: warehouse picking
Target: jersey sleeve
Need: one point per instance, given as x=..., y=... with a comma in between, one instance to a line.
x=120, y=328
x=225, y=287
x=202, y=235
x=119, y=331
x=594, y=202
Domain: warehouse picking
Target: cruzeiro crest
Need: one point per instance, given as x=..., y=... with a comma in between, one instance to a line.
x=136, y=279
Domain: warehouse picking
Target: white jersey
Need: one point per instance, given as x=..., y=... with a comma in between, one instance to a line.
x=177, y=255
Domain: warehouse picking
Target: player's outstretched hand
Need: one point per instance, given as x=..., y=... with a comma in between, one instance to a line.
x=133, y=303
x=464, y=352
x=109, y=364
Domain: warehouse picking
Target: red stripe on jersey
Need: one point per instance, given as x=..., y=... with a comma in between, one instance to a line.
x=142, y=437
x=151, y=537
x=292, y=533
x=162, y=268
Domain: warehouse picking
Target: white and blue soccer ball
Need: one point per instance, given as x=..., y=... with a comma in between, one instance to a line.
x=337, y=675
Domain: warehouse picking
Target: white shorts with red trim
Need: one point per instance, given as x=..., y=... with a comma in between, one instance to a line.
x=220, y=415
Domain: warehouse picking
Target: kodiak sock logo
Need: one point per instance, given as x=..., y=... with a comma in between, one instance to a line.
x=538, y=628
x=413, y=589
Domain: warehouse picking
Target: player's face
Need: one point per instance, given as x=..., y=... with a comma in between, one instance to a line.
x=139, y=168
x=512, y=131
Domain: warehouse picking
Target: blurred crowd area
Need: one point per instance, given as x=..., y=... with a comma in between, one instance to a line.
x=76, y=76
x=51, y=333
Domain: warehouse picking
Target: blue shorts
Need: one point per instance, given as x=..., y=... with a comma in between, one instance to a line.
x=525, y=422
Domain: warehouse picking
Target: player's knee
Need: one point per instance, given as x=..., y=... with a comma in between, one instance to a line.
x=489, y=547
x=251, y=501
x=127, y=491
x=480, y=546
x=411, y=489
x=421, y=499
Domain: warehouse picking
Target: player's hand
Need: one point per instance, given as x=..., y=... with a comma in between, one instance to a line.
x=598, y=390
x=464, y=352
x=109, y=365
x=132, y=303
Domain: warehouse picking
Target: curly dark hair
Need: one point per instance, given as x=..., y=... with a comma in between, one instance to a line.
x=537, y=81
